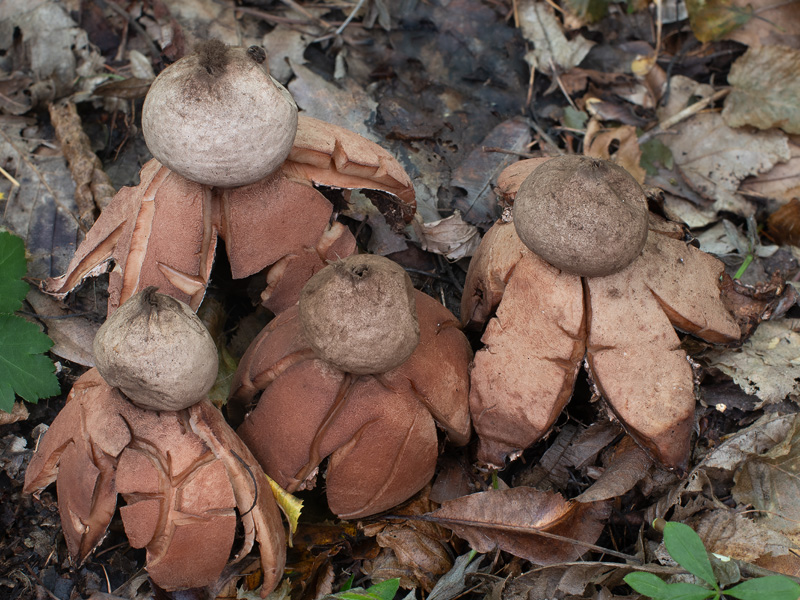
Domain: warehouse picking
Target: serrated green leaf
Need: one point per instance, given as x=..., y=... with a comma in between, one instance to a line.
x=646, y=583
x=686, y=547
x=23, y=369
x=12, y=269
x=685, y=591
x=773, y=587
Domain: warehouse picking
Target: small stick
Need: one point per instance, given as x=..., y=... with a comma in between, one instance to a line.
x=684, y=114
x=8, y=176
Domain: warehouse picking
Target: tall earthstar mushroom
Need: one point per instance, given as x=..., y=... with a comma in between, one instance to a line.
x=584, y=272
x=181, y=469
x=232, y=161
x=361, y=370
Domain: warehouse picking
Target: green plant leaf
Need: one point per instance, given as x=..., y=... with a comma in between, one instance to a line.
x=711, y=20
x=686, y=591
x=773, y=587
x=686, y=547
x=384, y=590
x=646, y=583
x=654, y=152
x=12, y=269
x=23, y=369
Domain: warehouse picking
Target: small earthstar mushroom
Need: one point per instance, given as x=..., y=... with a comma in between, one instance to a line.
x=233, y=160
x=186, y=477
x=585, y=273
x=361, y=371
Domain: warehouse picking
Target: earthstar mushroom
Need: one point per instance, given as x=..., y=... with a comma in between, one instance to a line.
x=242, y=174
x=374, y=415
x=545, y=320
x=183, y=474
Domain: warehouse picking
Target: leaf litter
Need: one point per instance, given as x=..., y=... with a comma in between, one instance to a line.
x=456, y=90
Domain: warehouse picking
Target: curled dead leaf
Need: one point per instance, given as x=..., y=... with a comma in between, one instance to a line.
x=541, y=527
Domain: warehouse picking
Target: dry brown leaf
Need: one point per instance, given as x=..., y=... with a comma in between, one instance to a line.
x=780, y=184
x=474, y=176
x=766, y=89
x=347, y=105
x=573, y=448
x=783, y=226
x=754, y=440
x=450, y=236
x=72, y=334
x=714, y=158
x=733, y=534
x=552, y=50
x=18, y=413
x=770, y=483
x=771, y=27
x=598, y=143
x=767, y=365
x=628, y=465
x=514, y=519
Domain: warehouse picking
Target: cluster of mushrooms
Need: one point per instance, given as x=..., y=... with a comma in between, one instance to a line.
x=357, y=368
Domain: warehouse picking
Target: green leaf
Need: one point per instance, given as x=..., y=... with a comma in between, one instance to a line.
x=654, y=151
x=686, y=547
x=646, y=583
x=685, y=591
x=773, y=587
x=23, y=369
x=380, y=591
x=12, y=269
x=575, y=119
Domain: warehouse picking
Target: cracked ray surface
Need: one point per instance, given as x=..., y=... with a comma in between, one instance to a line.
x=164, y=231
x=180, y=491
x=379, y=431
x=541, y=323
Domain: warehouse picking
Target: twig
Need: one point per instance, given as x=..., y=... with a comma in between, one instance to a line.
x=304, y=11
x=350, y=17
x=8, y=176
x=684, y=114
x=132, y=22
x=40, y=582
x=511, y=152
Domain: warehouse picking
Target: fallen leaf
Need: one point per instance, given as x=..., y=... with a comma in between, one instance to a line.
x=627, y=154
x=754, y=440
x=772, y=25
x=284, y=44
x=451, y=237
x=783, y=226
x=733, y=534
x=347, y=105
x=453, y=583
x=767, y=365
x=552, y=49
x=514, y=519
x=715, y=158
x=628, y=465
x=564, y=582
x=769, y=483
x=18, y=413
x=42, y=210
x=766, y=89
x=474, y=176
x=384, y=239
x=72, y=334
x=573, y=448
x=712, y=20
x=780, y=184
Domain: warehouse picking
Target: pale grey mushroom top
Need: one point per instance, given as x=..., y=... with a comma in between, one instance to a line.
x=217, y=117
